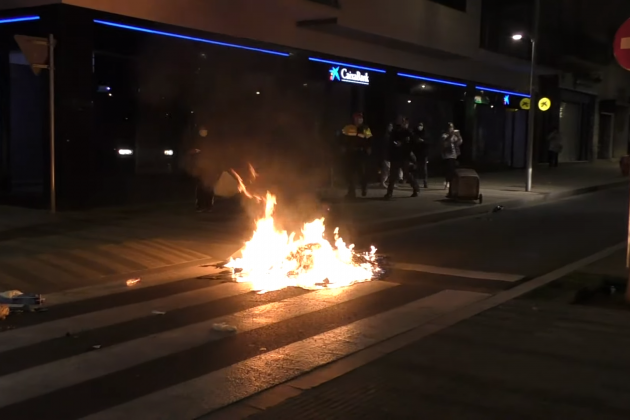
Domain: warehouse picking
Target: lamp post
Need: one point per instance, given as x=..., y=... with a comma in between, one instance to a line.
x=529, y=156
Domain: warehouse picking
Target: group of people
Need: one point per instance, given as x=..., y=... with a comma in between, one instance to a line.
x=405, y=155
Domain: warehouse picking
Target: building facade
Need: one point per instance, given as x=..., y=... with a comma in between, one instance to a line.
x=270, y=81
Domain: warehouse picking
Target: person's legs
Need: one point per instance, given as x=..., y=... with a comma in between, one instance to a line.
x=550, y=158
x=350, y=170
x=555, y=159
x=424, y=171
x=411, y=178
x=395, y=169
x=200, y=197
x=451, y=166
x=385, y=173
x=363, y=165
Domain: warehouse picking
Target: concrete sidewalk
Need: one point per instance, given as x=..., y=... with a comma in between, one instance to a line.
x=525, y=359
x=40, y=252
x=372, y=214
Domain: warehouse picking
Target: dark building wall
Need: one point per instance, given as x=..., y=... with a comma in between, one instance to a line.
x=120, y=89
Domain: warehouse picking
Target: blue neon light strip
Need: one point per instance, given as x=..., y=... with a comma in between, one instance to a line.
x=429, y=79
x=505, y=92
x=19, y=19
x=336, y=63
x=189, y=38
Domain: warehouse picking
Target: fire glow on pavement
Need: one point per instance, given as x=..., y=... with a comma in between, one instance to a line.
x=274, y=259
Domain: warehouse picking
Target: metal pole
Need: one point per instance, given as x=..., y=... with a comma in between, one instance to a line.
x=532, y=106
x=51, y=94
x=530, y=122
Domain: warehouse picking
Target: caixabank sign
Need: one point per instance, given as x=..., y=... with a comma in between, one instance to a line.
x=347, y=73
x=344, y=74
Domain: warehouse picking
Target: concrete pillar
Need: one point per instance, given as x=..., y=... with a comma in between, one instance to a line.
x=75, y=152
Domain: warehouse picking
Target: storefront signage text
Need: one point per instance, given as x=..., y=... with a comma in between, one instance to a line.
x=343, y=74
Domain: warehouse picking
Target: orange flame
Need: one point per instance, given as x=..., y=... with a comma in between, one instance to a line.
x=274, y=259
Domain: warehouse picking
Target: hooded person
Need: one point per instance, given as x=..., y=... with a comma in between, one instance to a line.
x=401, y=156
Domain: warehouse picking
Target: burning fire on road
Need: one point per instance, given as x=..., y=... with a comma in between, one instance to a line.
x=274, y=259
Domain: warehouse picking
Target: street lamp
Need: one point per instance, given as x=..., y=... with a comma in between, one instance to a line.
x=529, y=157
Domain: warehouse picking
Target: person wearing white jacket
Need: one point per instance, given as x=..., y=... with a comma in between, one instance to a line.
x=451, y=149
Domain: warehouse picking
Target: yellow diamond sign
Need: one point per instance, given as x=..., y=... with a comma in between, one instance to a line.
x=525, y=103
x=544, y=104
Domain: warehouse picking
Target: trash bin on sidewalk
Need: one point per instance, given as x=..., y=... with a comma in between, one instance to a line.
x=624, y=164
x=465, y=186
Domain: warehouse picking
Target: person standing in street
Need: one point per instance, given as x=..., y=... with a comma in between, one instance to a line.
x=385, y=162
x=356, y=148
x=555, y=147
x=401, y=156
x=421, y=150
x=208, y=161
x=451, y=149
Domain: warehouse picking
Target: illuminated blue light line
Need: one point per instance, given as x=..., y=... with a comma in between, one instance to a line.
x=19, y=19
x=505, y=92
x=189, y=38
x=429, y=79
x=336, y=63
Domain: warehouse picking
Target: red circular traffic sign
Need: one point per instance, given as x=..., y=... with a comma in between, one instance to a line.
x=622, y=45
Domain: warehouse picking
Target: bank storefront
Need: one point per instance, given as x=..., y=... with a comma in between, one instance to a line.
x=133, y=96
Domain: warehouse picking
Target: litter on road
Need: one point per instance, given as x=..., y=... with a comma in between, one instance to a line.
x=17, y=299
x=158, y=312
x=223, y=327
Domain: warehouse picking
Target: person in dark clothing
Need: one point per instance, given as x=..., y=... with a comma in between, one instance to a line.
x=204, y=195
x=420, y=149
x=207, y=165
x=401, y=156
x=356, y=148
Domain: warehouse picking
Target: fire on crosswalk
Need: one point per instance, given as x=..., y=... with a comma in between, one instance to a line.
x=274, y=259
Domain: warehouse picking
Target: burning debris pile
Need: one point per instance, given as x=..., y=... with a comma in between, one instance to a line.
x=274, y=259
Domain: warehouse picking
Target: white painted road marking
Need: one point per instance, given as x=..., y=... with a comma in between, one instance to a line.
x=54, y=329
x=39, y=380
x=194, y=398
x=456, y=272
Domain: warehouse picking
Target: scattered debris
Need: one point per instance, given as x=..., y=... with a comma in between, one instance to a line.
x=70, y=335
x=158, y=312
x=497, y=209
x=96, y=347
x=223, y=327
x=263, y=349
x=17, y=299
x=4, y=312
x=133, y=282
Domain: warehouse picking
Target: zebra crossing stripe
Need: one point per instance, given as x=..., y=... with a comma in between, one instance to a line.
x=22, y=337
x=39, y=380
x=192, y=399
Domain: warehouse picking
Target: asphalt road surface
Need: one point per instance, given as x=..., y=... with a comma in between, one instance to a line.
x=114, y=357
